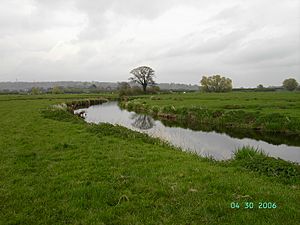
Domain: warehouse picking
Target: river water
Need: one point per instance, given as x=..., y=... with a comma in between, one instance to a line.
x=220, y=146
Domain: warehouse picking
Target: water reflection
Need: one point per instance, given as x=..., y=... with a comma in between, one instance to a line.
x=143, y=122
x=272, y=138
x=206, y=143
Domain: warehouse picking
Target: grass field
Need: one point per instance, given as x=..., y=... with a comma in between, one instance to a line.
x=56, y=169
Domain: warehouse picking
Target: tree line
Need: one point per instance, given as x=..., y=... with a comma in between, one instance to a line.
x=144, y=76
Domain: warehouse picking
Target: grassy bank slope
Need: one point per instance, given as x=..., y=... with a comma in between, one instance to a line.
x=65, y=171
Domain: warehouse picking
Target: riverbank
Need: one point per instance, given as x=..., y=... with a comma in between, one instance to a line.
x=57, y=169
x=265, y=112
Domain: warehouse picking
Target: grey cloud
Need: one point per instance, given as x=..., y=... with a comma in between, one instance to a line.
x=89, y=40
x=265, y=50
x=99, y=24
x=15, y=20
x=131, y=8
x=212, y=45
x=228, y=14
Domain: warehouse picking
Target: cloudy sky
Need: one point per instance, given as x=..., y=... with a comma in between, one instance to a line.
x=250, y=41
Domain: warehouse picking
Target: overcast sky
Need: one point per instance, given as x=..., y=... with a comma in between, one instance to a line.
x=250, y=41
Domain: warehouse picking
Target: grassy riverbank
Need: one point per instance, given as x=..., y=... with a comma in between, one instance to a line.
x=268, y=112
x=56, y=169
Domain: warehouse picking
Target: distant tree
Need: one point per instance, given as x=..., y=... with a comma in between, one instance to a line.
x=290, y=84
x=216, y=83
x=154, y=89
x=93, y=86
x=135, y=90
x=124, y=88
x=143, y=75
x=123, y=85
x=57, y=90
x=260, y=86
x=35, y=91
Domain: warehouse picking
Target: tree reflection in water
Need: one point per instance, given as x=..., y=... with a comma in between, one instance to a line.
x=142, y=122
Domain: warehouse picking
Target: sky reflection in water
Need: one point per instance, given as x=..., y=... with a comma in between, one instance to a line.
x=219, y=146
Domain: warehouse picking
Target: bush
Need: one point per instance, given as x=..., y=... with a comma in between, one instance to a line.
x=35, y=91
x=57, y=90
x=125, y=89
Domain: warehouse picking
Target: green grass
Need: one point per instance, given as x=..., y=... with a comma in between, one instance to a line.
x=256, y=160
x=267, y=112
x=277, y=102
x=56, y=169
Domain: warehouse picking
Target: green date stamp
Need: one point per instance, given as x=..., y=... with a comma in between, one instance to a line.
x=252, y=205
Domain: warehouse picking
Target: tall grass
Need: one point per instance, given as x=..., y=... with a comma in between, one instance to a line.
x=257, y=161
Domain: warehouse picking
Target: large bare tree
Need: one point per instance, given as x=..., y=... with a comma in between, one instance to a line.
x=143, y=75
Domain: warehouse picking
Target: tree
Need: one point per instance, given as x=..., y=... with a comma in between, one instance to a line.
x=260, y=86
x=124, y=88
x=154, y=89
x=143, y=75
x=216, y=83
x=57, y=90
x=93, y=86
x=35, y=91
x=290, y=84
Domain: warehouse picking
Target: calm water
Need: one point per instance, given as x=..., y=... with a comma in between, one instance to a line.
x=219, y=146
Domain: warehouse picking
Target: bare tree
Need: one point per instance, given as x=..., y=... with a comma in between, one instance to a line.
x=143, y=75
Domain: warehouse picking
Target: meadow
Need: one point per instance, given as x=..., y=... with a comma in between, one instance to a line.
x=266, y=102
x=57, y=169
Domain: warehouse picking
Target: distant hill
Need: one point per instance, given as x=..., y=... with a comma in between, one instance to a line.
x=178, y=87
x=26, y=86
